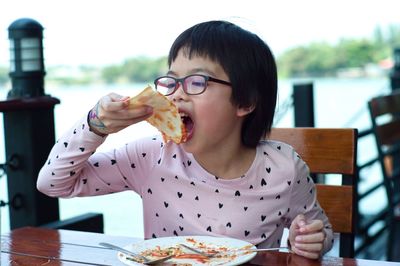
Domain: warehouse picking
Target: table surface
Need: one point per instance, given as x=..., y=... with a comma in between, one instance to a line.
x=40, y=246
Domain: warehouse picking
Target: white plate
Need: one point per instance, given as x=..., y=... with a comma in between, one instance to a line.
x=165, y=242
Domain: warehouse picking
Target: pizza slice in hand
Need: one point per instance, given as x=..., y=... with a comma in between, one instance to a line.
x=165, y=116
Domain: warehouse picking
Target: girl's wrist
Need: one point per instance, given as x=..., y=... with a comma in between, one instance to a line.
x=95, y=124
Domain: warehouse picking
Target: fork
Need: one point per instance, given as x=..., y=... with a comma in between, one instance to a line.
x=146, y=260
x=208, y=255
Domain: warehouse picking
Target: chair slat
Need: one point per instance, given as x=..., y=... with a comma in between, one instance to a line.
x=335, y=202
x=324, y=150
x=389, y=133
x=385, y=104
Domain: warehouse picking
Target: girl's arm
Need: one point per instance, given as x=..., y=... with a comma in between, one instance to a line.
x=310, y=232
x=71, y=165
x=74, y=169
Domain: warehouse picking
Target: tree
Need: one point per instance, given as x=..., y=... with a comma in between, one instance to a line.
x=143, y=69
x=110, y=74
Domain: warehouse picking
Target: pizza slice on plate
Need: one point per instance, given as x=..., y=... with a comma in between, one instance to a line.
x=165, y=116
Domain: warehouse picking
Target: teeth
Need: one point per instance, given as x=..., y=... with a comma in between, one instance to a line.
x=183, y=114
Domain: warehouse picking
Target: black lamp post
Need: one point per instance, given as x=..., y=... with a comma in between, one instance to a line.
x=29, y=135
x=28, y=127
x=395, y=73
x=26, y=59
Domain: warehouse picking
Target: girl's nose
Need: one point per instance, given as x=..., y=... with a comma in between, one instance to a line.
x=179, y=94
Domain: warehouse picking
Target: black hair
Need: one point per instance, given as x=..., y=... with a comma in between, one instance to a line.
x=249, y=64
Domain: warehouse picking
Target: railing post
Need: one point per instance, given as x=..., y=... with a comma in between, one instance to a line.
x=303, y=104
x=303, y=101
x=395, y=73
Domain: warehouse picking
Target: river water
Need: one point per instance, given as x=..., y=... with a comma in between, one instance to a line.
x=338, y=103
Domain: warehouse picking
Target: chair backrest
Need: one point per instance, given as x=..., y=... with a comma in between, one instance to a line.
x=385, y=117
x=329, y=151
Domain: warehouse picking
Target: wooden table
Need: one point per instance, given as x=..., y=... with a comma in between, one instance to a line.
x=30, y=246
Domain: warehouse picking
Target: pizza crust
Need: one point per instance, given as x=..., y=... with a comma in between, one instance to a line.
x=165, y=116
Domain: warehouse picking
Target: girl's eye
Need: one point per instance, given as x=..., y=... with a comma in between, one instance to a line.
x=170, y=85
x=198, y=83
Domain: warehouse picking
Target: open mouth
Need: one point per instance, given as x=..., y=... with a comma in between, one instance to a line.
x=189, y=124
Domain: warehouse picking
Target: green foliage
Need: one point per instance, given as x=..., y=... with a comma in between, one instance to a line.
x=110, y=74
x=140, y=69
x=322, y=59
x=316, y=59
x=356, y=53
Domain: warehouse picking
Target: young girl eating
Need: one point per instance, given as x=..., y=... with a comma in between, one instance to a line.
x=225, y=179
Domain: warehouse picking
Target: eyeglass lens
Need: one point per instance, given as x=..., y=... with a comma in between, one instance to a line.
x=194, y=84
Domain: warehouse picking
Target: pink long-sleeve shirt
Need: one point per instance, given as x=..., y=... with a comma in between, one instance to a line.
x=182, y=198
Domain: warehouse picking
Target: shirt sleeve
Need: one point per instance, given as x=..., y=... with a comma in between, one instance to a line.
x=303, y=199
x=74, y=168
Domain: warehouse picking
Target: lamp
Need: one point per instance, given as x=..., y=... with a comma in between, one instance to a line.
x=26, y=59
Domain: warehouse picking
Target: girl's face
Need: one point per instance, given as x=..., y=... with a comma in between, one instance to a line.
x=210, y=118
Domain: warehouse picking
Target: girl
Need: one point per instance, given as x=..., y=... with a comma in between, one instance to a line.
x=225, y=180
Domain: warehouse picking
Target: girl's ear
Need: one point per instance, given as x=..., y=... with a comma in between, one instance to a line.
x=243, y=111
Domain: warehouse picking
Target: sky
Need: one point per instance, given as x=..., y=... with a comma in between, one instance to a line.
x=97, y=32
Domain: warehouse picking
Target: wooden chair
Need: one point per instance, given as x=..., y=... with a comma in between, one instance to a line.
x=329, y=151
x=385, y=117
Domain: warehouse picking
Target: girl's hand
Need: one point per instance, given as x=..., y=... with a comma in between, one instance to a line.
x=306, y=239
x=111, y=114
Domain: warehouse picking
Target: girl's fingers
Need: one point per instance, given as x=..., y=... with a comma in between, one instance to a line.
x=118, y=98
x=111, y=114
x=311, y=238
x=114, y=102
x=139, y=113
x=307, y=254
x=300, y=220
x=117, y=124
x=313, y=247
x=298, y=223
x=314, y=225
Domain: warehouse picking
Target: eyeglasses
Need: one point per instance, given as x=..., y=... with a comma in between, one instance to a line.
x=192, y=84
